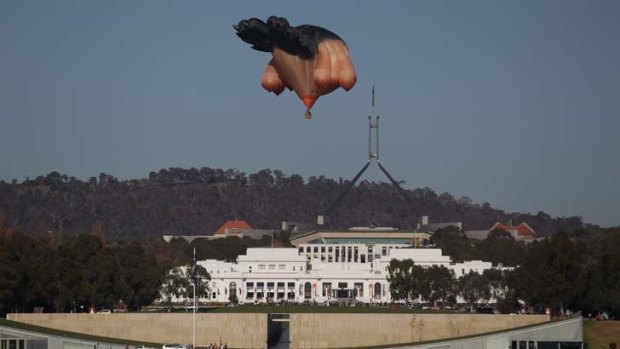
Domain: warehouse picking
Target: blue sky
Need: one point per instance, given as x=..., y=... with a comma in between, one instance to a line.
x=514, y=103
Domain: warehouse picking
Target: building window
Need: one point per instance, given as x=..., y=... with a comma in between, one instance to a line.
x=307, y=291
x=290, y=290
x=282, y=266
x=250, y=269
x=363, y=258
x=359, y=289
x=330, y=249
x=327, y=289
x=272, y=267
x=322, y=249
x=261, y=267
x=249, y=285
x=377, y=290
x=384, y=251
x=316, y=249
x=301, y=250
x=232, y=290
x=293, y=268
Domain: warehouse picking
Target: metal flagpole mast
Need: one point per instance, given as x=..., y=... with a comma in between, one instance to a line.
x=194, y=315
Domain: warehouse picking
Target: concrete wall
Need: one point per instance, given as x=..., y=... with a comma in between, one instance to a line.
x=236, y=330
x=354, y=330
x=249, y=330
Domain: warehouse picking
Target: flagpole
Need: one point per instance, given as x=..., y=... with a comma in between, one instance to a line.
x=194, y=316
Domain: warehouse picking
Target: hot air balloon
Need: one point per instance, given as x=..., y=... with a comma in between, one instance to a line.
x=310, y=60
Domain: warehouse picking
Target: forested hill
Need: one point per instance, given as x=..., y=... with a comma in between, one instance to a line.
x=197, y=201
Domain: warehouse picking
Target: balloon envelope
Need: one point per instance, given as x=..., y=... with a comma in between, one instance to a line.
x=307, y=59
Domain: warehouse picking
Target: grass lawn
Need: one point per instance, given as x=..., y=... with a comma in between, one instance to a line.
x=598, y=334
x=316, y=309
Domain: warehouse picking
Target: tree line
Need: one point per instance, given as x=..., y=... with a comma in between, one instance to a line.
x=579, y=271
x=196, y=201
x=73, y=273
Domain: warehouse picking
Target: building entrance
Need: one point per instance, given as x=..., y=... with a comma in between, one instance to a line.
x=278, y=331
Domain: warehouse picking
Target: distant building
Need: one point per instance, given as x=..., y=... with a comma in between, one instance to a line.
x=344, y=265
x=232, y=227
x=425, y=225
x=477, y=234
x=362, y=235
x=229, y=228
x=297, y=227
x=521, y=232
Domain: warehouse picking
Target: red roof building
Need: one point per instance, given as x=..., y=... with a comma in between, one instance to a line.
x=519, y=232
x=233, y=227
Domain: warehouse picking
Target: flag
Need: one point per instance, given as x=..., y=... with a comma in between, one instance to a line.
x=373, y=93
x=195, y=276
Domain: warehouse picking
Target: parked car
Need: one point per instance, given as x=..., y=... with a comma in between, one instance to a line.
x=172, y=346
x=104, y=311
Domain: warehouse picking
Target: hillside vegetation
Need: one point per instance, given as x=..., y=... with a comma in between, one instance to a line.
x=196, y=201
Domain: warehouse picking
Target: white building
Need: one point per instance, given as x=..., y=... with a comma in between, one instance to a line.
x=320, y=271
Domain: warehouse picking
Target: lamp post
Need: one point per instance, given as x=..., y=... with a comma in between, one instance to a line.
x=194, y=320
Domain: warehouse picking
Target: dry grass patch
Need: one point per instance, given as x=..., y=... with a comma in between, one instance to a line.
x=598, y=334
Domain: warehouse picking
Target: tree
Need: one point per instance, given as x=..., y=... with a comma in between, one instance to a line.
x=138, y=277
x=197, y=274
x=405, y=278
x=474, y=287
x=601, y=273
x=441, y=283
x=454, y=243
x=10, y=279
x=501, y=248
x=174, y=285
x=552, y=273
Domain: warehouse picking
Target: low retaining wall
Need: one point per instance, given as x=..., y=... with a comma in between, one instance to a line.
x=237, y=330
x=307, y=330
x=355, y=330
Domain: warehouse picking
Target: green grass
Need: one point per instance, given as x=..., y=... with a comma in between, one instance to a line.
x=76, y=335
x=598, y=334
x=318, y=309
